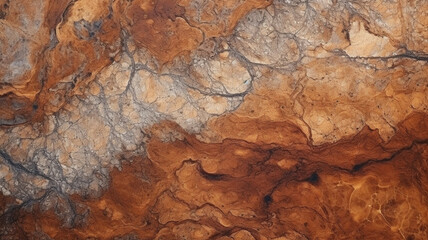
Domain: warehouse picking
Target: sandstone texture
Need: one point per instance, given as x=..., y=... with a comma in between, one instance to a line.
x=225, y=119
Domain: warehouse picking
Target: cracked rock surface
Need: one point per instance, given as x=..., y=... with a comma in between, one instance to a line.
x=194, y=119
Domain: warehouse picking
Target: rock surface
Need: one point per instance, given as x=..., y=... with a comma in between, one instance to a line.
x=190, y=119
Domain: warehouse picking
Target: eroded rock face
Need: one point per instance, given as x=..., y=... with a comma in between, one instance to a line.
x=213, y=119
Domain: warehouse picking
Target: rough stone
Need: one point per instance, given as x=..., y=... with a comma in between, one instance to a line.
x=228, y=119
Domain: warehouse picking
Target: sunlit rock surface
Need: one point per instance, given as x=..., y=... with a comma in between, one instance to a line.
x=191, y=119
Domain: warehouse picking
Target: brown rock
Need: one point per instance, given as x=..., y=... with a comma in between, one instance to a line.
x=196, y=119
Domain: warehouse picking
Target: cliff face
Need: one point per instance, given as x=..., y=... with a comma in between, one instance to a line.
x=226, y=119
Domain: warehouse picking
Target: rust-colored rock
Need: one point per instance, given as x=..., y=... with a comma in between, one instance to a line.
x=187, y=188
x=48, y=54
x=193, y=119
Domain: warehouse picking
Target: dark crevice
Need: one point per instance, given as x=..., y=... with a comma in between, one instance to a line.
x=314, y=178
x=358, y=167
x=21, y=168
x=210, y=176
